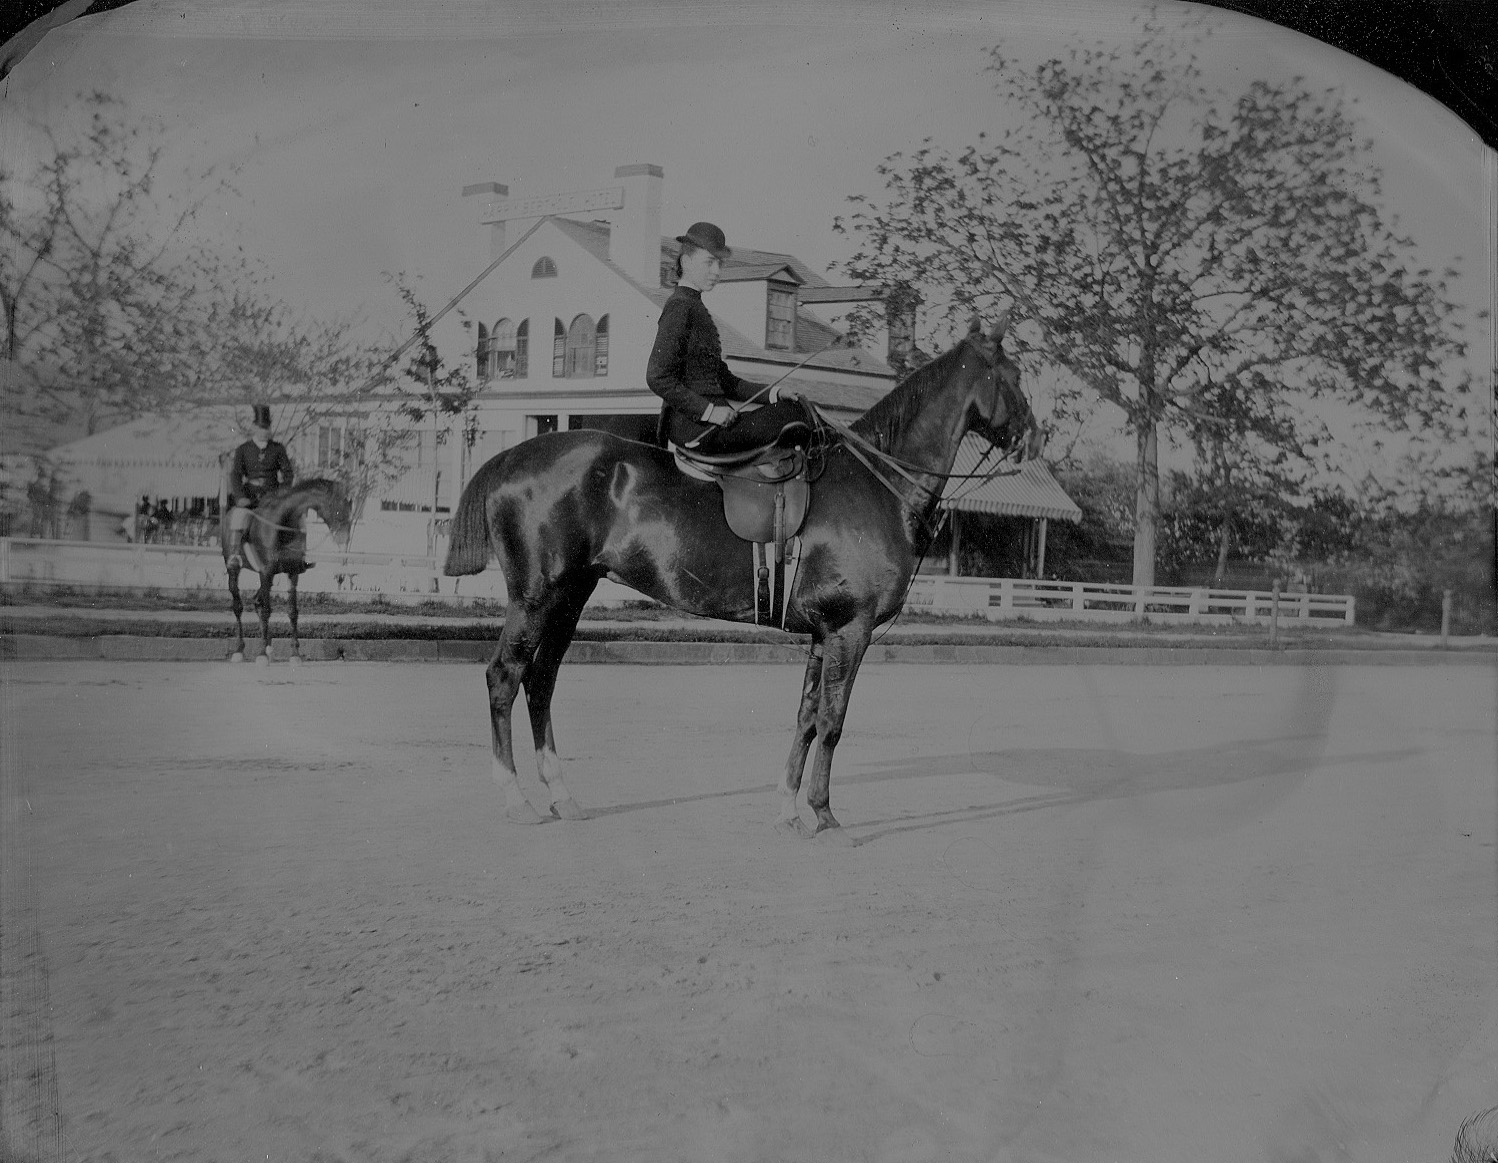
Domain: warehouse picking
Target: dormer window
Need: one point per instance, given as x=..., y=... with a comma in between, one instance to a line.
x=780, y=317
x=545, y=268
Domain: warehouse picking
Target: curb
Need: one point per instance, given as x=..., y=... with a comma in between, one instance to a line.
x=138, y=648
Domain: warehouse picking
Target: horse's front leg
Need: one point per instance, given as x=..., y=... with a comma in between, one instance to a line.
x=262, y=607
x=296, y=641
x=236, y=603
x=801, y=741
x=845, y=651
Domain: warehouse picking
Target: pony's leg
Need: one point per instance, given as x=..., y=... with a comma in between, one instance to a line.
x=296, y=642
x=236, y=603
x=262, y=607
x=506, y=670
x=554, y=636
x=801, y=741
x=845, y=651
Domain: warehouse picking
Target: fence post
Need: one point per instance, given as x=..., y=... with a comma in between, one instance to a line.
x=1274, y=615
x=1445, y=619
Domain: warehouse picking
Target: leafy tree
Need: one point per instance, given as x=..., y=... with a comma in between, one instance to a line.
x=380, y=406
x=116, y=304
x=1199, y=260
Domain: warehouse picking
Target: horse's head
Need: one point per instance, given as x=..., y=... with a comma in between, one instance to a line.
x=337, y=512
x=1000, y=411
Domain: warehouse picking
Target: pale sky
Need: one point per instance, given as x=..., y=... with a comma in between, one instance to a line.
x=358, y=124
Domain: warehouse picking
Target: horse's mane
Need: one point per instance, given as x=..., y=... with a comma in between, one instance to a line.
x=274, y=504
x=882, y=424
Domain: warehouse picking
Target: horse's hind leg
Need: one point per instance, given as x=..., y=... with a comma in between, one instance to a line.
x=506, y=671
x=801, y=741
x=554, y=633
x=262, y=607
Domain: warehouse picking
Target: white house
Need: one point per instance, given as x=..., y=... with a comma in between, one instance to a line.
x=562, y=321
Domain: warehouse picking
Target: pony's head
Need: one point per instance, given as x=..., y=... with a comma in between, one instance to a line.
x=1000, y=411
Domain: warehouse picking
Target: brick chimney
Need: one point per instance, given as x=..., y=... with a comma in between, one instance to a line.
x=635, y=228
x=494, y=192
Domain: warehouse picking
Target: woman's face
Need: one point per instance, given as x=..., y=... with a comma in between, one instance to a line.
x=700, y=269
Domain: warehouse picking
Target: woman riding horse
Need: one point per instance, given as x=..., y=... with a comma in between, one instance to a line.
x=564, y=510
x=708, y=408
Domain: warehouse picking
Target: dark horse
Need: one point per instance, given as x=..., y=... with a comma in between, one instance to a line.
x=279, y=537
x=564, y=510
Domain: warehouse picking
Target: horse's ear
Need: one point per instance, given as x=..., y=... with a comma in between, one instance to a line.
x=975, y=326
x=1001, y=325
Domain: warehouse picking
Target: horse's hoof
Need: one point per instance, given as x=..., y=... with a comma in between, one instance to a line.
x=568, y=809
x=825, y=823
x=237, y=656
x=795, y=826
x=833, y=834
x=524, y=814
x=295, y=660
x=262, y=660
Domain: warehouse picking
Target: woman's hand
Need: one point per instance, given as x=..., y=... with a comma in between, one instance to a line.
x=721, y=415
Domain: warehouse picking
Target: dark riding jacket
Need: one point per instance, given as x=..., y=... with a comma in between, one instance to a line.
x=686, y=367
x=255, y=471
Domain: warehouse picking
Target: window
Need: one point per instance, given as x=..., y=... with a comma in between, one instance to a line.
x=579, y=353
x=538, y=425
x=545, y=268
x=483, y=353
x=780, y=319
x=502, y=362
x=558, y=348
x=522, y=348
x=336, y=444
x=601, y=348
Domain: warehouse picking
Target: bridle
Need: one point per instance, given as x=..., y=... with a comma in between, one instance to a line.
x=873, y=458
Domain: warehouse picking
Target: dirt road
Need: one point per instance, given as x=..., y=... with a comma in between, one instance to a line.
x=1077, y=913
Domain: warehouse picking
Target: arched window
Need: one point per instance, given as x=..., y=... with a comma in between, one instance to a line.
x=580, y=336
x=544, y=269
x=558, y=348
x=601, y=348
x=502, y=351
x=522, y=348
x=483, y=353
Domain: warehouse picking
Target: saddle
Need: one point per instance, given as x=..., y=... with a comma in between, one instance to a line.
x=765, y=495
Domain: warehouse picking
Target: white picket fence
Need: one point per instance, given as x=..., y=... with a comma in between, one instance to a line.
x=406, y=578
x=1002, y=598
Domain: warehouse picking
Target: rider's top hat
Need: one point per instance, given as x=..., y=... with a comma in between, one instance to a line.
x=261, y=417
x=706, y=236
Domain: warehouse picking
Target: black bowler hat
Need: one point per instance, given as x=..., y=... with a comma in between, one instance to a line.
x=706, y=236
x=261, y=417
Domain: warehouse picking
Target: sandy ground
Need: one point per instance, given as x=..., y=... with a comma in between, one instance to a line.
x=1076, y=913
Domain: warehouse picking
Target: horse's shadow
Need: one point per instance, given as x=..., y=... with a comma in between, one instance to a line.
x=1063, y=777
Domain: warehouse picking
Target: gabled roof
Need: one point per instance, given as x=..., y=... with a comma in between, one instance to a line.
x=747, y=272
x=812, y=335
x=1030, y=492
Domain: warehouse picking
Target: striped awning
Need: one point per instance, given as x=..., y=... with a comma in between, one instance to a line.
x=1030, y=492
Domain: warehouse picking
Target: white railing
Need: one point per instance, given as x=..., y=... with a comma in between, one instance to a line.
x=103, y=565
x=1002, y=598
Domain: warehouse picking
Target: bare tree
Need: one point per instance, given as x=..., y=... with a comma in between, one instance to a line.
x=1197, y=259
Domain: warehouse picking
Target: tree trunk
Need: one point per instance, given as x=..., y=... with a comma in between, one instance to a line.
x=1146, y=502
x=1224, y=540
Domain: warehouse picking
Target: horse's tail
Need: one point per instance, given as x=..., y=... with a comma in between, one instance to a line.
x=468, y=539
